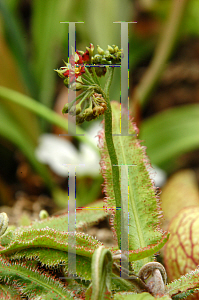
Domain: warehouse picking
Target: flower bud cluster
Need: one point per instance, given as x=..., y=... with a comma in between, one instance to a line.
x=95, y=106
x=72, y=71
x=81, y=74
x=112, y=55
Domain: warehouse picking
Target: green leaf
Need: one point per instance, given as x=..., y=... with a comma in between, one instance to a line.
x=56, y=259
x=32, y=282
x=12, y=131
x=101, y=274
x=42, y=111
x=84, y=217
x=18, y=46
x=185, y=294
x=47, y=37
x=145, y=235
x=50, y=238
x=171, y=133
x=52, y=257
x=187, y=282
x=133, y=296
x=8, y=293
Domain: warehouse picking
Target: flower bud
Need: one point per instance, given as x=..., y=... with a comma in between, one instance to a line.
x=72, y=111
x=75, y=110
x=89, y=118
x=97, y=59
x=80, y=119
x=78, y=109
x=76, y=86
x=110, y=49
x=43, y=214
x=116, y=49
x=98, y=110
x=88, y=112
x=90, y=49
x=103, y=104
x=100, y=50
x=65, y=109
x=60, y=73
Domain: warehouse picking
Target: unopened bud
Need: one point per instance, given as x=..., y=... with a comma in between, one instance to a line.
x=90, y=118
x=66, y=108
x=60, y=73
x=72, y=111
x=90, y=49
x=98, y=110
x=76, y=86
x=88, y=112
x=110, y=49
x=97, y=59
x=78, y=109
x=100, y=50
x=116, y=49
x=43, y=214
x=80, y=119
x=103, y=104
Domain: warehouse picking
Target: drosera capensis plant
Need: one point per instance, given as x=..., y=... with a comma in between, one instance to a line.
x=34, y=259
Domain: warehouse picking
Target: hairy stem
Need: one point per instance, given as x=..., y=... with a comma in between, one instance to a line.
x=112, y=154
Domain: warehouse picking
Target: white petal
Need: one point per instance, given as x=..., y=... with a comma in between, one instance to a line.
x=55, y=151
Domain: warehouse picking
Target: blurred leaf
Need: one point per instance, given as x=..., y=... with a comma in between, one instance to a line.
x=170, y=134
x=12, y=131
x=18, y=47
x=140, y=50
x=191, y=20
x=190, y=23
x=10, y=78
x=47, y=36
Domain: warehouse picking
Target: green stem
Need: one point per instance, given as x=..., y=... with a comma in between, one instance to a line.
x=112, y=154
x=95, y=76
x=42, y=111
x=88, y=76
x=163, y=51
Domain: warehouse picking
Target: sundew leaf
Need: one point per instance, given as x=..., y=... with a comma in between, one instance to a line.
x=184, y=283
x=52, y=239
x=7, y=293
x=85, y=217
x=101, y=274
x=145, y=235
x=133, y=296
x=52, y=258
x=32, y=282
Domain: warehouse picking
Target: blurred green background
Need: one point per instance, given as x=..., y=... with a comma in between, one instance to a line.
x=166, y=105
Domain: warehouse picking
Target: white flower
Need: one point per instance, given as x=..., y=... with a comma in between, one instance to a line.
x=57, y=153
